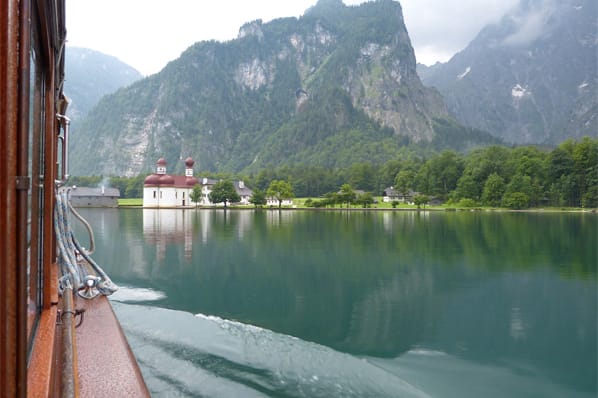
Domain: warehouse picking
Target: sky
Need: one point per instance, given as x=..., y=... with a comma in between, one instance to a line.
x=147, y=34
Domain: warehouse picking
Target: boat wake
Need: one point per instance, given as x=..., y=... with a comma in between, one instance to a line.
x=136, y=294
x=184, y=355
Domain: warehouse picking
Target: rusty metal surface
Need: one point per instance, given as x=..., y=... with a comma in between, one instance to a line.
x=39, y=376
x=11, y=367
x=69, y=377
x=106, y=364
x=42, y=370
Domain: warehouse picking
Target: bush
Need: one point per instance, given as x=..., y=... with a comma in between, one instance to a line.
x=467, y=202
x=515, y=200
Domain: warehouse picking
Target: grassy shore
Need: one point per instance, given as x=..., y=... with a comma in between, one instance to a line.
x=130, y=202
x=299, y=203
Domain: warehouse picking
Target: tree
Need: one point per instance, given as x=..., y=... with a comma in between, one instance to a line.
x=346, y=195
x=365, y=200
x=135, y=186
x=280, y=190
x=515, y=200
x=224, y=192
x=119, y=183
x=585, y=156
x=521, y=184
x=420, y=199
x=467, y=187
x=441, y=173
x=493, y=190
x=258, y=199
x=195, y=195
x=331, y=199
x=363, y=175
x=404, y=181
x=564, y=188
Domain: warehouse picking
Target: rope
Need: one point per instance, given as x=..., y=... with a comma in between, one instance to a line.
x=92, y=244
x=74, y=273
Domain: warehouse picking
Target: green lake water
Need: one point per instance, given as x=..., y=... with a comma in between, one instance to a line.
x=355, y=304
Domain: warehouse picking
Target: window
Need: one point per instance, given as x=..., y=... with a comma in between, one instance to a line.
x=154, y=194
x=35, y=173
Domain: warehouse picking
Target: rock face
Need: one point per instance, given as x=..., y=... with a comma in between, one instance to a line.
x=531, y=78
x=340, y=78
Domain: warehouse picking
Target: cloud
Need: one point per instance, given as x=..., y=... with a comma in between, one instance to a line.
x=147, y=34
x=529, y=23
x=439, y=29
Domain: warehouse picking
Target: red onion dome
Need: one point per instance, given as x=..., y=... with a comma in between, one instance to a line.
x=192, y=181
x=189, y=162
x=167, y=180
x=161, y=162
x=152, y=179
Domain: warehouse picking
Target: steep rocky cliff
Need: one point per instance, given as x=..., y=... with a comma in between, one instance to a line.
x=531, y=78
x=336, y=86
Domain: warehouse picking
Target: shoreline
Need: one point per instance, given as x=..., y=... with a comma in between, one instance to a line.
x=356, y=209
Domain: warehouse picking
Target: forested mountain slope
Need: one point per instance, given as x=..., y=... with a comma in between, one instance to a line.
x=90, y=76
x=332, y=88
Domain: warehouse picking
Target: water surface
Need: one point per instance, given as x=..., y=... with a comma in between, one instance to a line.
x=355, y=304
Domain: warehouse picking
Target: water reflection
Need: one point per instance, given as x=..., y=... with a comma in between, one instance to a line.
x=512, y=290
x=167, y=227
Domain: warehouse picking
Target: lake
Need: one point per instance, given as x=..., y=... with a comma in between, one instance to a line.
x=268, y=303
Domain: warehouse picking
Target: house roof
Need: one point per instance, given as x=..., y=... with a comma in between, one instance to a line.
x=85, y=191
x=207, y=181
x=242, y=189
x=391, y=191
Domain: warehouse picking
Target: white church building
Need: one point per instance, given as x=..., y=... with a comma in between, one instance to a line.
x=162, y=190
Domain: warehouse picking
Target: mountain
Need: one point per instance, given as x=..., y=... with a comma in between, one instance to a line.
x=331, y=88
x=90, y=76
x=530, y=78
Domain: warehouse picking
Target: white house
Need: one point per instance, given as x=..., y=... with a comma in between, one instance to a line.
x=208, y=183
x=391, y=194
x=161, y=190
x=273, y=202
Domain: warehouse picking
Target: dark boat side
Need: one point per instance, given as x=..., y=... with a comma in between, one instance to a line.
x=51, y=344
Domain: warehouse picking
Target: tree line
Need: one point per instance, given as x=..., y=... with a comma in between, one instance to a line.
x=514, y=177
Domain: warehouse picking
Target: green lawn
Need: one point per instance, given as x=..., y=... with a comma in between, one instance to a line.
x=131, y=202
